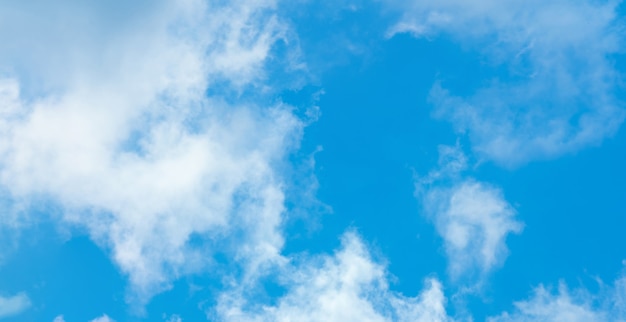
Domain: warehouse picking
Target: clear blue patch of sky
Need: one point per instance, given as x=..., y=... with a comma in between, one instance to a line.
x=74, y=278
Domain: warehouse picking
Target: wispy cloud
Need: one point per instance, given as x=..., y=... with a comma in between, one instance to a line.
x=565, y=305
x=558, y=91
x=347, y=286
x=115, y=127
x=13, y=305
x=472, y=217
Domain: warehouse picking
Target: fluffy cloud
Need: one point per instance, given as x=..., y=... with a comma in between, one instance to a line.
x=571, y=307
x=348, y=286
x=12, y=305
x=59, y=318
x=472, y=217
x=118, y=128
x=474, y=220
x=554, y=85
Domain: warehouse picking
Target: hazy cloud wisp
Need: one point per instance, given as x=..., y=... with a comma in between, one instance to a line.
x=559, y=89
x=472, y=217
x=13, y=305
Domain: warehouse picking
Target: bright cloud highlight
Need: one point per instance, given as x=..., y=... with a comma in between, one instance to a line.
x=348, y=286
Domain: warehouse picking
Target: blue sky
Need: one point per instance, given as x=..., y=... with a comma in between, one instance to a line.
x=305, y=161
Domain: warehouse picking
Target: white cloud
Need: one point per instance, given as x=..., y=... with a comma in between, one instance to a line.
x=103, y=318
x=472, y=217
x=13, y=305
x=544, y=306
x=113, y=125
x=348, y=286
x=559, y=92
x=567, y=306
x=59, y=318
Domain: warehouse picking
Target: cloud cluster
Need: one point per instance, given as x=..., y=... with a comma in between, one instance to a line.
x=119, y=129
x=348, y=286
x=156, y=137
x=472, y=217
x=554, y=87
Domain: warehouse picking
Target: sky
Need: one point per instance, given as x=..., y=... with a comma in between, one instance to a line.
x=349, y=160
